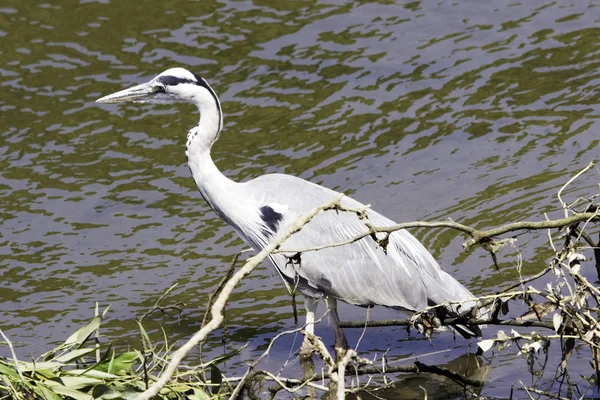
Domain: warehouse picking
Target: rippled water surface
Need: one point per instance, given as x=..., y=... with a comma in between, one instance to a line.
x=478, y=111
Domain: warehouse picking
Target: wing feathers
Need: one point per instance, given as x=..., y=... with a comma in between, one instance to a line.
x=361, y=273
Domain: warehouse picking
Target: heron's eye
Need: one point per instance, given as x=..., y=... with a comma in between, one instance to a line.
x=159, y=89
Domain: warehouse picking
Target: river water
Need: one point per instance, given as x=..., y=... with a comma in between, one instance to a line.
x=470, y=110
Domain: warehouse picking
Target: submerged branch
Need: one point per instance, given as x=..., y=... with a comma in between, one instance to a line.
x=450, y=321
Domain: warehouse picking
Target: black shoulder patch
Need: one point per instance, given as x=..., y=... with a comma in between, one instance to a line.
x=169, y=80
x=271, y=218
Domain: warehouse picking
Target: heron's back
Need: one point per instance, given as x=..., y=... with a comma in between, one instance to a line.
x=404, y=275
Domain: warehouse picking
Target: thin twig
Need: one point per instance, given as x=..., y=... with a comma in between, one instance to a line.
x=97, y=337
x=529, y=389
x=282, y=382
x=365, y=325
x=265, y=353
x=14, y=355
x=220, y=286
x=577, y=175
x=158, y=307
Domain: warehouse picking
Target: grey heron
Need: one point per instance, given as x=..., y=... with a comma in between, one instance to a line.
x=402, y=276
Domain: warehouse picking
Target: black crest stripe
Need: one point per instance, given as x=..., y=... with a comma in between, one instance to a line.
x=170, y=80
x=202, y=82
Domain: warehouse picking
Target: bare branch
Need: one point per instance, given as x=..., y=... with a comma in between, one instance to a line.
x=449, y=321
x=477, y=236
x=571, y=319
x=219, y=305
x=527, y=225
x=577, y=175
x=529, y=389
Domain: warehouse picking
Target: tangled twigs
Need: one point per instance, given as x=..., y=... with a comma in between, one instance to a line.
x=530, y=390
x=251, y=372
x=293, y=385
x=158, y=307
x=219, y=304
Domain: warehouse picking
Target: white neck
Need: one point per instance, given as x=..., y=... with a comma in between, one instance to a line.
x=212, y=184
x=230, y=200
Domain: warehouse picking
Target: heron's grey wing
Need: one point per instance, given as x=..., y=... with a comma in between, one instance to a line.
x=440, y=286
x=362, y=273
x=358, y=273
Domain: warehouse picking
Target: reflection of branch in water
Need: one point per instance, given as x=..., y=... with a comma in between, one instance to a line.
x=471, y=378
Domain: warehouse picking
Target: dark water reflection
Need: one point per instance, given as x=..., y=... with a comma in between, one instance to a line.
x=467, y=110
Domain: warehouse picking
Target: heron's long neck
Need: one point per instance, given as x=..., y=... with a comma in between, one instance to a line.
x=213, y=185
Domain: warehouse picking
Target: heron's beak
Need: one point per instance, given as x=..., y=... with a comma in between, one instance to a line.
x=140, y=94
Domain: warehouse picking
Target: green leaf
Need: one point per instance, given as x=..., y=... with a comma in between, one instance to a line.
x=79, y=382
x=179, y=387
x=147, y=343
x=46, y=393
x=58, y=388
x=33, y=366
x=7, y=383
x=199, y=394
x=74, y=355
x=100, y=390
x=9, y=371
x=105, y=311
x=83, y=333
x=108, y=392
x=100, y=364
x=91, y=373
x=123, y=363
x=49, y=355
x=46, y=373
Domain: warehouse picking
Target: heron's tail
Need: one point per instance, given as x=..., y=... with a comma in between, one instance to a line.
x=455, y=305
x=466, y=330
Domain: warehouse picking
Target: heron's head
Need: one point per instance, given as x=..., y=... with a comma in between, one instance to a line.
x=174, y=85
